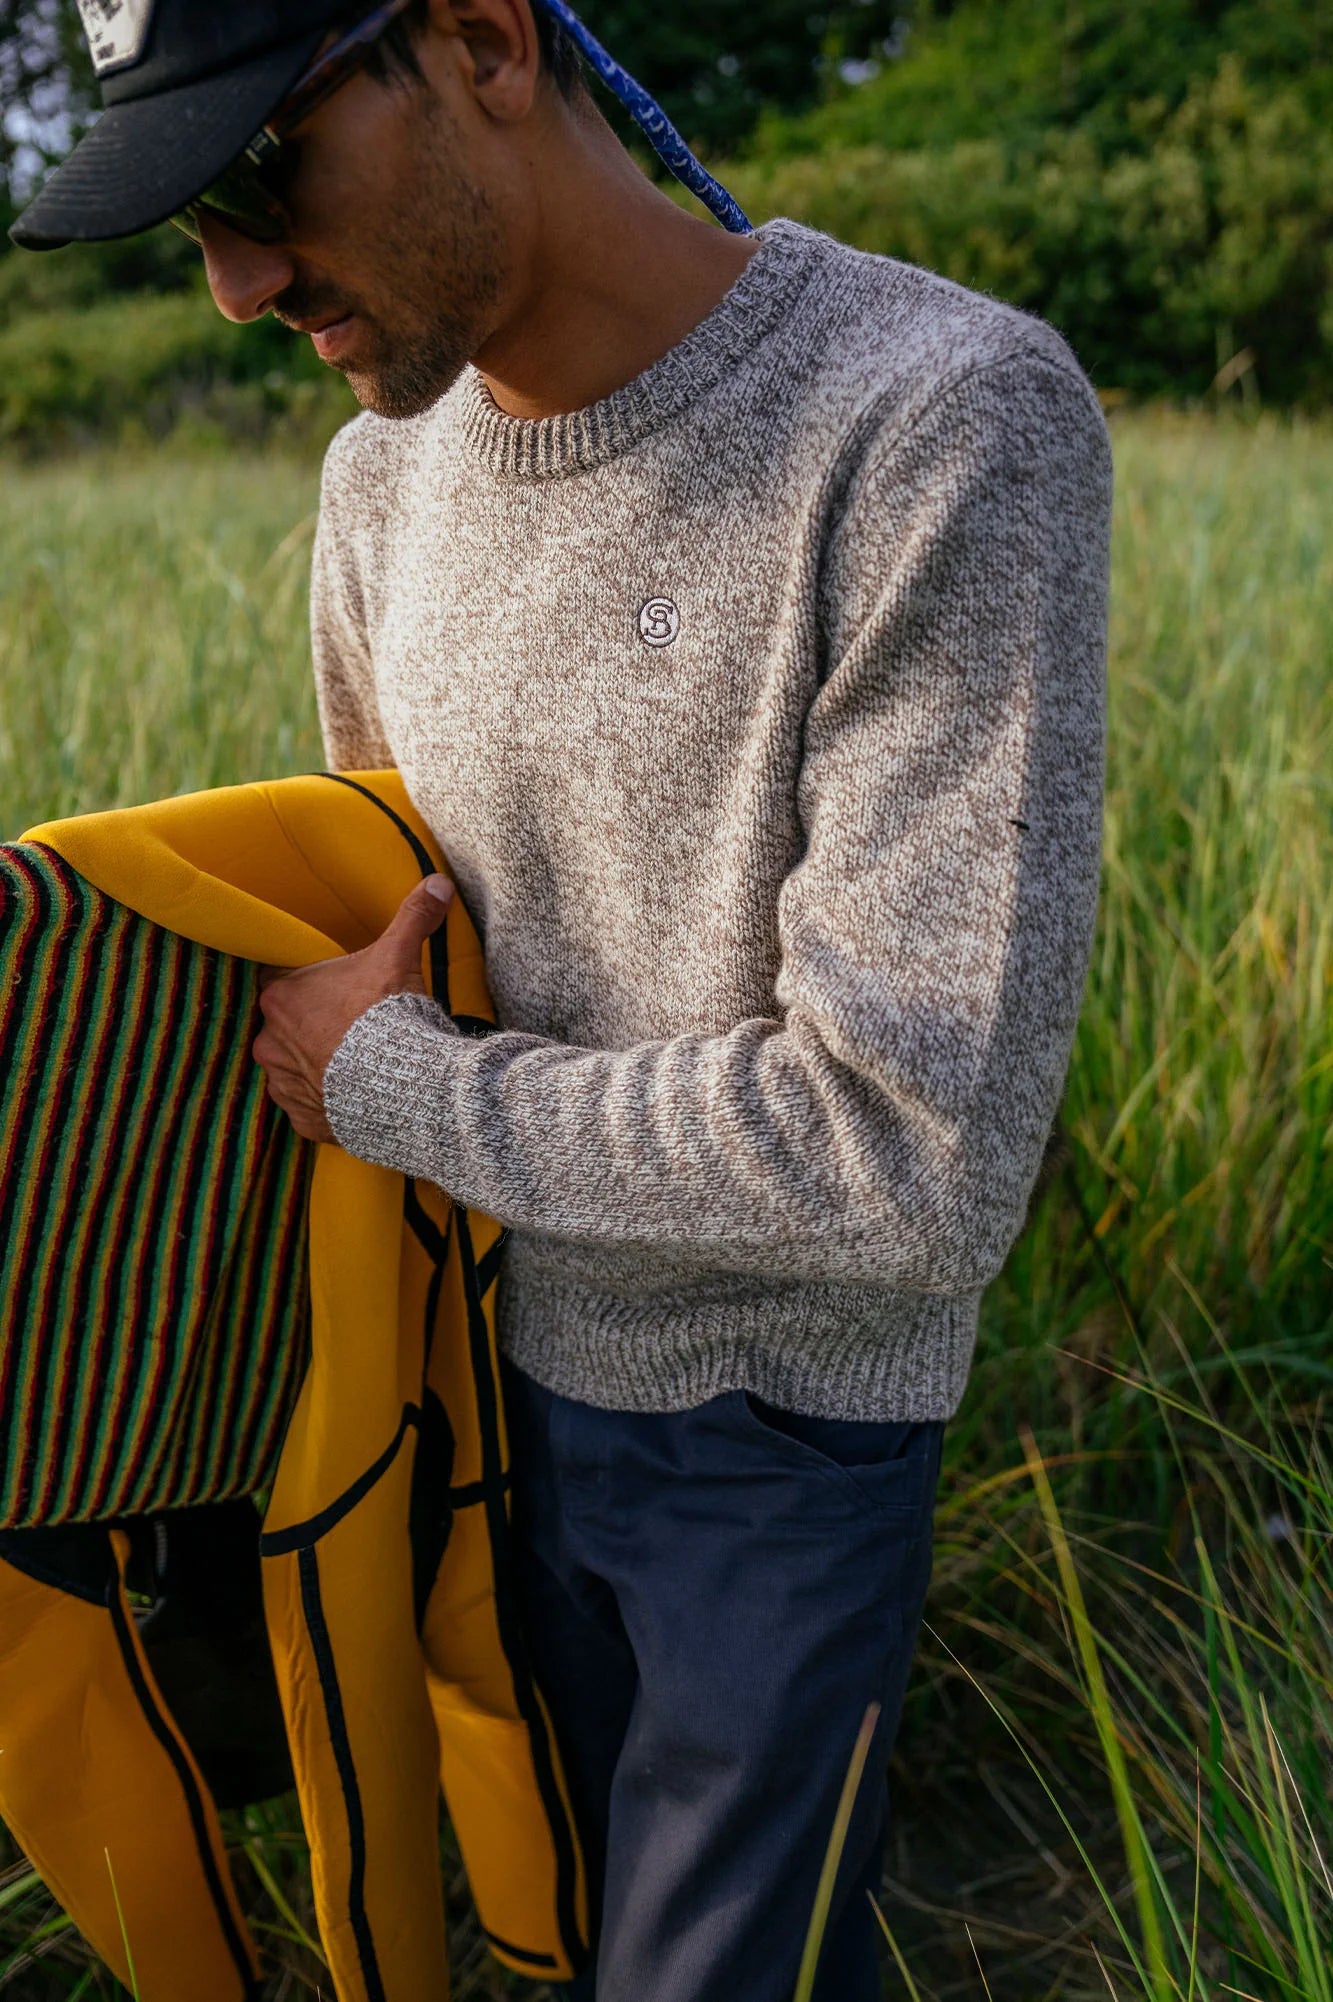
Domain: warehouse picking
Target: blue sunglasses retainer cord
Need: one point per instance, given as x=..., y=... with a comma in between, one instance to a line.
x=653, y=122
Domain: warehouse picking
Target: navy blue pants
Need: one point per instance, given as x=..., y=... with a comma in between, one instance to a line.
x=712, y=1598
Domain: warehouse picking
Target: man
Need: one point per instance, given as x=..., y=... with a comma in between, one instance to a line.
x=733, y=605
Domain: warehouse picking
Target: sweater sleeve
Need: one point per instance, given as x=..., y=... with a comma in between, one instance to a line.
x=885, y=1123
x=349, y=717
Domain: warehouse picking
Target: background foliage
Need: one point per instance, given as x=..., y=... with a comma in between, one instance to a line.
x=1156, y=179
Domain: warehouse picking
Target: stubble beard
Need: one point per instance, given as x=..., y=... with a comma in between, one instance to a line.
x=446, y=260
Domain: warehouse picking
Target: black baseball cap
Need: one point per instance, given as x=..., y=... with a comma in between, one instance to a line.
x=186, y=85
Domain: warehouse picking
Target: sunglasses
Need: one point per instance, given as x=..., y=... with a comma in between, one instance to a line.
x=245, y=195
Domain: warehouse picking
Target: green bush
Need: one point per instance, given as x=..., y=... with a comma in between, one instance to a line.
x=1014, y=70
x=84, y=274
x=146, y=364
x=1209, y=243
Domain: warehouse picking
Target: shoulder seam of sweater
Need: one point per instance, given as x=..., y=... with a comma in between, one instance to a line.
x=1025, y=350
x=866, y=426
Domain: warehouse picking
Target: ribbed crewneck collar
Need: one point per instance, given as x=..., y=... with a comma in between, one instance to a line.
x=573, y=441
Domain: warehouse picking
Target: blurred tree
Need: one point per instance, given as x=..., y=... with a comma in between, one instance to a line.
x=714, y=64
x=1015, y=70
x=46, y=91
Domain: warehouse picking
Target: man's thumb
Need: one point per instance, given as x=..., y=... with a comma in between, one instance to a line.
x=421, y=912
x=440, y=891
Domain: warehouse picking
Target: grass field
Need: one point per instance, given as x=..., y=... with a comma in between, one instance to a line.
x=1114, y=1772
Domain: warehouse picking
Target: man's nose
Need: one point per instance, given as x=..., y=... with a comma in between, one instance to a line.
x=244, y=277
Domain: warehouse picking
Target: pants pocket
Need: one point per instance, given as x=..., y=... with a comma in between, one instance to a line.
x=888, y=1465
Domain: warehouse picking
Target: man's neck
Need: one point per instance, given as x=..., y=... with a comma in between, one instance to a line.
x=618, y=275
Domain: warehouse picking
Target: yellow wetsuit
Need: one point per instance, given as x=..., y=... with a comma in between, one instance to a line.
x=391, y=1685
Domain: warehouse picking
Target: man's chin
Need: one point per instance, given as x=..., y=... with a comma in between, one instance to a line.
x=397, y=394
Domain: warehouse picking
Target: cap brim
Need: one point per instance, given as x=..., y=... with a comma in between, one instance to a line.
x=148, y=156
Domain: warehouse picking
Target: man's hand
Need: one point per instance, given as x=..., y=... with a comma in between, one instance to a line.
x=308, y=1010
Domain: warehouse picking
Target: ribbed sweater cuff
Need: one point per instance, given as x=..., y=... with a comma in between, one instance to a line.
x=379, y=1078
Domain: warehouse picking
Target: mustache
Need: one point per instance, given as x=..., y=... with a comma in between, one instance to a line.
x=304, y=303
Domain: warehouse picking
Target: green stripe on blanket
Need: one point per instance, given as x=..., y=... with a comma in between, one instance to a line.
x=154, y=1310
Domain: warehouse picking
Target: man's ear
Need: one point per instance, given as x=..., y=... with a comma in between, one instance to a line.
x=495, y=44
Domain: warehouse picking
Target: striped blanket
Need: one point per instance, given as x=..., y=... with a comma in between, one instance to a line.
x=153, y=1337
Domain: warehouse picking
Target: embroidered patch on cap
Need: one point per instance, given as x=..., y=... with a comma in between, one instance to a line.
x=116, y=30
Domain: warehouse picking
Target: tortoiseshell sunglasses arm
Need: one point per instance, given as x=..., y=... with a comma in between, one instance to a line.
x=322, y=79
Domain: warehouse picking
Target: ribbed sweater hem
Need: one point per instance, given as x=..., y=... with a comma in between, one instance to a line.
x=831, y=1351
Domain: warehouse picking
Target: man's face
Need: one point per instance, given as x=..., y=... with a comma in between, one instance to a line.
x=396, y=256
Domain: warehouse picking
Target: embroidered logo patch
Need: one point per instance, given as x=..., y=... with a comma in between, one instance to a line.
x=659, y=622
x=116, y=31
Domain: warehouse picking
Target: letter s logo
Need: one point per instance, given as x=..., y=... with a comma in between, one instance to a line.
x=659, y=622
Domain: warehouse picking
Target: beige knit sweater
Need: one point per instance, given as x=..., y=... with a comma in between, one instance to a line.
x=759, y=709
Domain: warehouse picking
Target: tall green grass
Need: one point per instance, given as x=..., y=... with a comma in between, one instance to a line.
x=1114, y=1771
x=153, y=629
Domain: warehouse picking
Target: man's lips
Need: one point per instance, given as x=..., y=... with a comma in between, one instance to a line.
x=331, y=338
x=328, y=335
